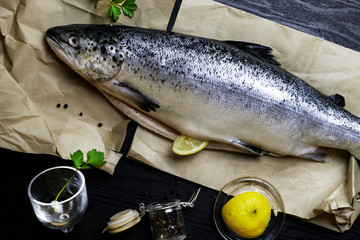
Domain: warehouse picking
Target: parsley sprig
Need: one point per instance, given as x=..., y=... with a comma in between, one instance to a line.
x=117, y=6
x=94, y=158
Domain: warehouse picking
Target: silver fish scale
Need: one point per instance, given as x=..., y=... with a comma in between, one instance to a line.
x=215, y=67
x=216, y=91
x=217, y=71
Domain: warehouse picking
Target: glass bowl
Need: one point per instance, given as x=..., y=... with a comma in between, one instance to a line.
x=247, y=184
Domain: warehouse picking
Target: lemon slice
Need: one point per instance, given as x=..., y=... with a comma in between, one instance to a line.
x=184, y=145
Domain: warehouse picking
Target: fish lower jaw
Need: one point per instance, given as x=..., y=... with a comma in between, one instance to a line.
x=53, y=43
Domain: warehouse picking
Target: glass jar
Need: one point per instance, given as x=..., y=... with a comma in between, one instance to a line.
x=166, y=220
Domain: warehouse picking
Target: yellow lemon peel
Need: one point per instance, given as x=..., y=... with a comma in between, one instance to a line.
x=247, y=214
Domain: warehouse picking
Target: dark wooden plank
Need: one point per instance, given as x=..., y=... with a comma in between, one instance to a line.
x=132, y=183
x=333, y=20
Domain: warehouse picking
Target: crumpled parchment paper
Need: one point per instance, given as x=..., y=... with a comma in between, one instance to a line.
x=47, y=108
x=325, y=194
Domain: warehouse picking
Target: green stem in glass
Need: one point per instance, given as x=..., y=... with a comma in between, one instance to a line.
x=67, y=184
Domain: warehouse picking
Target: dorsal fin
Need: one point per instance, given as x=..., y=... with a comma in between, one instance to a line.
x=338, y=100
x=257, y=50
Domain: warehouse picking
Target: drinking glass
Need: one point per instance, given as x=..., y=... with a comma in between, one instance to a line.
x=71, y=205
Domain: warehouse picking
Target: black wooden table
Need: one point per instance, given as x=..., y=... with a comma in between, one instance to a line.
x=133, y=182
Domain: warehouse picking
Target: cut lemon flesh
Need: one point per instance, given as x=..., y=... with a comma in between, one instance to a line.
x=184, y=145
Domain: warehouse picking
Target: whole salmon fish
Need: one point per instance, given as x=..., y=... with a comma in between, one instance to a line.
x=230, y=93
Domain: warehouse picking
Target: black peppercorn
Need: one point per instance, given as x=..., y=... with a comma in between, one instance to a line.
x=166, y=220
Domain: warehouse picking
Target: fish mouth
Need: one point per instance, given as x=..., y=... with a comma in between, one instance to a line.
x=53, y=42
x=51, y=38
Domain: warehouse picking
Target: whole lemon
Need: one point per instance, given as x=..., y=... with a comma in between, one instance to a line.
x=247, y=214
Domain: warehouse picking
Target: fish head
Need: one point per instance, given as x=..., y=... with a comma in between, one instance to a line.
x=90, y=50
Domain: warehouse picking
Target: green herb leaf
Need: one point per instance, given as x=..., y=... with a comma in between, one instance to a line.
x=116, y=6
x=95, y=158
x=78, y=158
x=95, y=3
x=129, y=7
x=114, y=12
x=130, y=4
x=128, y=12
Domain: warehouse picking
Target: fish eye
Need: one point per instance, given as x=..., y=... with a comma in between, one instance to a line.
x=74, y=41
x=121, y=56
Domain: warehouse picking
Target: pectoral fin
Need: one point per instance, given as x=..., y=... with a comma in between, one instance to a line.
x=249, y=148
x=143, y=101
x=319, y=155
